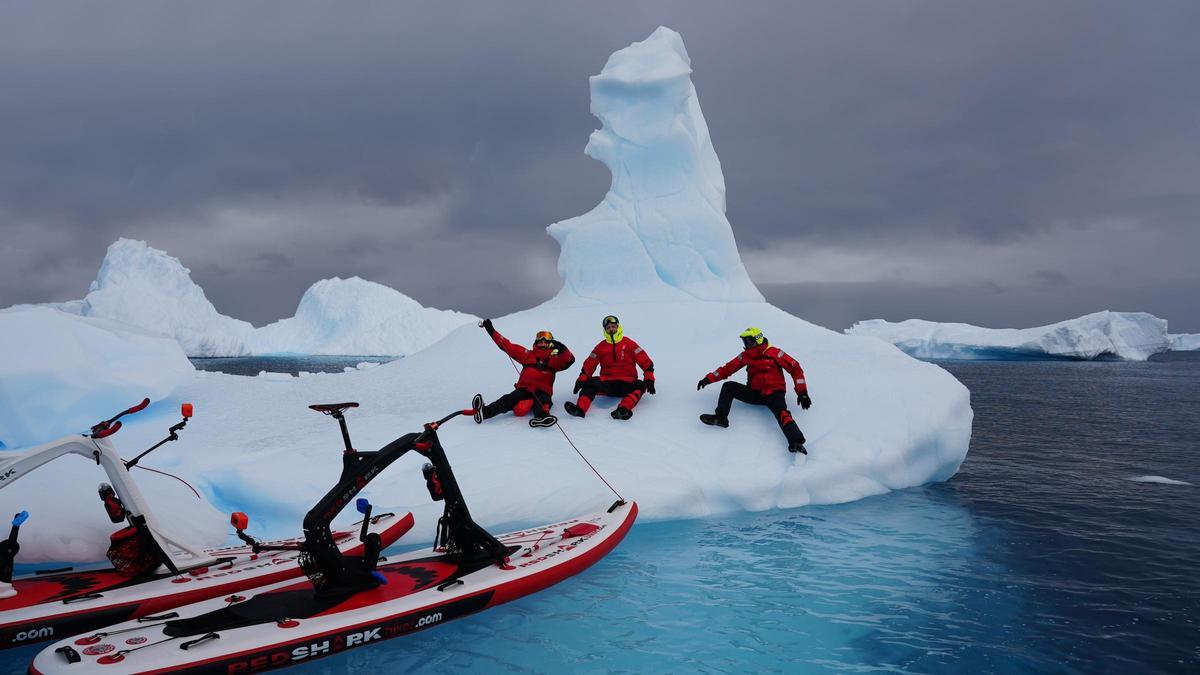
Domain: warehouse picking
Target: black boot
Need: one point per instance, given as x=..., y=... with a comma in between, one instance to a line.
x=573, y=409
x=621, y=413
x=543, y=421
x=797, y=446
x=713, y=420
x=477, y=406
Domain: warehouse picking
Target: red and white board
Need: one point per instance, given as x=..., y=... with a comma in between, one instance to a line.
x=53, y=605
x=286, y=623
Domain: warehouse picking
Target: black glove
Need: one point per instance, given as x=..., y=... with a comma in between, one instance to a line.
x=804, y=401
x=487, y=325
x=702, y=383
x=558, y=345
x=578, y=386
x=650, y=387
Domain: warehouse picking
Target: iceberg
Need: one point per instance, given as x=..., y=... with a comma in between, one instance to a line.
x=1185, y=342
x=1132, y=336
x=61, y=373
x=659, y=253
x=359, y=317
x=660, y=233
x=142, y=286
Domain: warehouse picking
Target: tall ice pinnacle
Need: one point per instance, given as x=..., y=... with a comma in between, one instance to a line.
x=661, y=230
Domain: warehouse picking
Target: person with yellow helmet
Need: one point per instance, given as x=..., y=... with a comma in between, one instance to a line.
x=535, y=384
x=618, y=357
x=765, y=385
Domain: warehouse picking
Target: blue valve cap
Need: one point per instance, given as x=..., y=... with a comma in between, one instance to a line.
x=20, y=518
x=380, y=578
x=363, y=505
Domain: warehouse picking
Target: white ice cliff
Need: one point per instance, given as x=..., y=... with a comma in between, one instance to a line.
x=1133, y=336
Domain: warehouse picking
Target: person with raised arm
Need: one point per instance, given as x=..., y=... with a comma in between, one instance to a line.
x=534, y=389
x=764, y=364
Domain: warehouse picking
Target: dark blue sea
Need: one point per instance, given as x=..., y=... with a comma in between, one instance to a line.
x=1047, y=553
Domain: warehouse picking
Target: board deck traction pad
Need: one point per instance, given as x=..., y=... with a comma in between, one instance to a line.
x=53, y=605
x=424, y=589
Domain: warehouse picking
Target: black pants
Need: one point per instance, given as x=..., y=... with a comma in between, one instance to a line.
x=541, y=403
x=776, y=402
x=629, y=392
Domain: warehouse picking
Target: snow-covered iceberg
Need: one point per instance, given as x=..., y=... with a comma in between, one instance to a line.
x=659, y=253
x=1133, y=336
x=355, y=316
x=61, y=373
x=142, y=286
x=1185, y=342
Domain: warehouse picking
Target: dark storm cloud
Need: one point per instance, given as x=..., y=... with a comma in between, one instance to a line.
x=427, y=145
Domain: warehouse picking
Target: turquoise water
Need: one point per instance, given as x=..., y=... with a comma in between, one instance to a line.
x=1041, y=555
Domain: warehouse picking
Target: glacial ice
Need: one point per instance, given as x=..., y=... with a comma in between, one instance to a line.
x=1133, y=336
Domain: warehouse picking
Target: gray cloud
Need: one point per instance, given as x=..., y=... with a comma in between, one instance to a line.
x=272, y=144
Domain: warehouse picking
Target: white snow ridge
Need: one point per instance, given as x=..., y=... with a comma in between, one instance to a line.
x=1133, y=336
x=657, y=252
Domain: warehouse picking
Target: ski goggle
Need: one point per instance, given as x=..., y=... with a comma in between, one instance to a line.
x=610, y=320
x=544, y=336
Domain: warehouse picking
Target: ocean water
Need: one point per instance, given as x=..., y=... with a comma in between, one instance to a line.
x=1056, y=548
x=292, y=364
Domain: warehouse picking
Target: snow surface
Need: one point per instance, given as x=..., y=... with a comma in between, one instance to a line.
x=61, y=373
x=355, y=316
x=660, y=233
x=1185, y=342
x=143, y=286
x=1133, y=336
x=667, y=265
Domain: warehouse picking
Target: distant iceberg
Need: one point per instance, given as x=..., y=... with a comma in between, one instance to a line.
x=1131, y=336
x=1185, y=342
x=143, y=287
x=356, y=316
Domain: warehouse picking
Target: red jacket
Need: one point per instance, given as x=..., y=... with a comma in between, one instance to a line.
x=765, y=365
x=540, y=364
x=618, y=361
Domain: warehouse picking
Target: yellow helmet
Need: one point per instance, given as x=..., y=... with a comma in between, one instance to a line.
x=752, y=336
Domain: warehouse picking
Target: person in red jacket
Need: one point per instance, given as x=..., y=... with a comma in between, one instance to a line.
x=765, y=386
x=619, y=358
x=535, y=385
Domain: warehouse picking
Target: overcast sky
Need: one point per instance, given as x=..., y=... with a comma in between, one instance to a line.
x=1004, y=164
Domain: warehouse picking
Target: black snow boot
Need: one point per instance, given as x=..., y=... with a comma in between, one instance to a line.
x=573, y=409
x=797, y=446
x=621, y=413
x=477, y=406
x=713, y=420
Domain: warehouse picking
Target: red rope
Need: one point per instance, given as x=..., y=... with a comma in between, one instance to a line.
x=139, y=466
x=564, y=433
